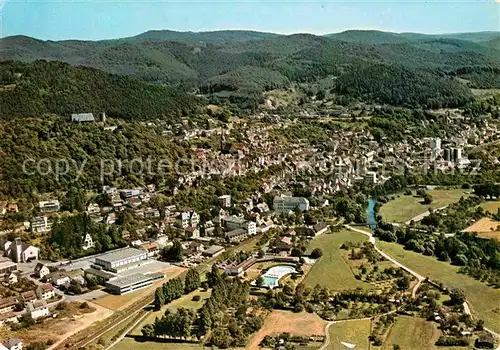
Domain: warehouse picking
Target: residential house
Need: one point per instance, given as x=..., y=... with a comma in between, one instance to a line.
x=93, y=208
x=8, y=304
x=189, y=218
x=41, y=270
x=13, y=344
x=151, y=213
x=7, y=267
x=46, y=291
x=37, y=309
x=233, y=223
x=6, y=318
x=82, y=117
x=225, y=201
x=320, y=228
x=209, y=228
x=237, y=235
x=151, y=248
x=192, y=232
x=88, y=242
x=40, y=224
x=58, y=278
x=13, y=278
x=49, y=206
x=28, y=296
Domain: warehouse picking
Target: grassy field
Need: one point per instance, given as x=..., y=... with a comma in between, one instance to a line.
x=405, y=208
x=331, y=269
x=185, y=301
x=414, y=333
x=353, y=332
x=131, y=344
x=491, y=206
x=483, y=300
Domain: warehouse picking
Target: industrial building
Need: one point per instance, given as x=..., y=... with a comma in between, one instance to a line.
x=122, y=259
x=129, y=284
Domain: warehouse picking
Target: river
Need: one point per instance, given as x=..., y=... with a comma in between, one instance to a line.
x=370, y=213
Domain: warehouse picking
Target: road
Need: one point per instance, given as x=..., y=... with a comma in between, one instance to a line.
x=372, y=240
x=127, y=331
x=328, y=325
x=423, y=215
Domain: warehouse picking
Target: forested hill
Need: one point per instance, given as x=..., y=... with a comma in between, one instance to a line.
x=32, y=89
x=240, y=65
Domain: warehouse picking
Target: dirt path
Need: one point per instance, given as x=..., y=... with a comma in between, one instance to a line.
x=419, y=217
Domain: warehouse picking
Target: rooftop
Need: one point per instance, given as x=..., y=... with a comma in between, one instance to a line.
x=213, y=249
x=128, y=280
x=121, y=255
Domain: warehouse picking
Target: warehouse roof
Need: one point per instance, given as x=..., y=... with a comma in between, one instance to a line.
x=121, y=255
x=129, y=280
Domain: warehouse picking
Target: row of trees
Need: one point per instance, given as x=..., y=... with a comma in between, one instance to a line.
x=175, y=288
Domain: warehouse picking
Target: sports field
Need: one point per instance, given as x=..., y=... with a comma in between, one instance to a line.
x=350, y=332
x=484, y=301
x=331, y=270
x=485, y=228
x=406, y=208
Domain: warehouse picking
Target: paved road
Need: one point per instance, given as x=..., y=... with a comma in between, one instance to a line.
x=419, y=277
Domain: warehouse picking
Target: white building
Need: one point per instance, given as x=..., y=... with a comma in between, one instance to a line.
x=82, y=117
x=122, y=259
x=234, y=223
x=46, y=291
x=285, y=204
x=88, y=242
x=371, y=177
x=37, y=309
x=12, y=344
x=40, y=224
x=225, y=201
x=41, y=270
x=189, y=218
x=49, y=206
x=19, y=251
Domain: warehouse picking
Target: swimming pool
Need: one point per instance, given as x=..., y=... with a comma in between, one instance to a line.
x=275, y=273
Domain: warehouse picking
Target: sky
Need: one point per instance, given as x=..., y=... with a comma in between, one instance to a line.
x=105, y=19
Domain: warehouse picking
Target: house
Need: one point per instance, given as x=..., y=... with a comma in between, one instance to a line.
x=46, y=291
x=189, y=218
x=151, y=213
x=7, y=267
x=225, y=201
x=237, y=235
x=58, y=278
x=93, y=208
x=8, y=317
x=28, y=296
x=233, y=223
x=192, y=232
x=209, y=228
x=485, y=341
x=13, y=344
x=41, y=270
x=12, y=278
x=49, y=206
x=151, y=248
x=88, y=242
x=8, y=304
x=37, y=309
x=12, y=208
x=82, y=117
x=40, y=224
x=320, y=228
x=213, y=251
x=19, y=251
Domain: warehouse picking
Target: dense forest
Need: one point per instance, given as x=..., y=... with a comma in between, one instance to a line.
x=53, y=87
x=399, y=69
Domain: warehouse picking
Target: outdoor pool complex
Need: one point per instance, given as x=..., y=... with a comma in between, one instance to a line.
x=274, y=274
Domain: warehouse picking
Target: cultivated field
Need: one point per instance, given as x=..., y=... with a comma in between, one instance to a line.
x=285, y=321
x=405, y=208
x=331, y=270
x=486, y=228
x=491, y=206
x=117, y=302
x=352, y=332
x=483, y=300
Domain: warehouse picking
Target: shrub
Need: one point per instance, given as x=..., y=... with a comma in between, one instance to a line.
x=196, y=298
x=316, y=253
